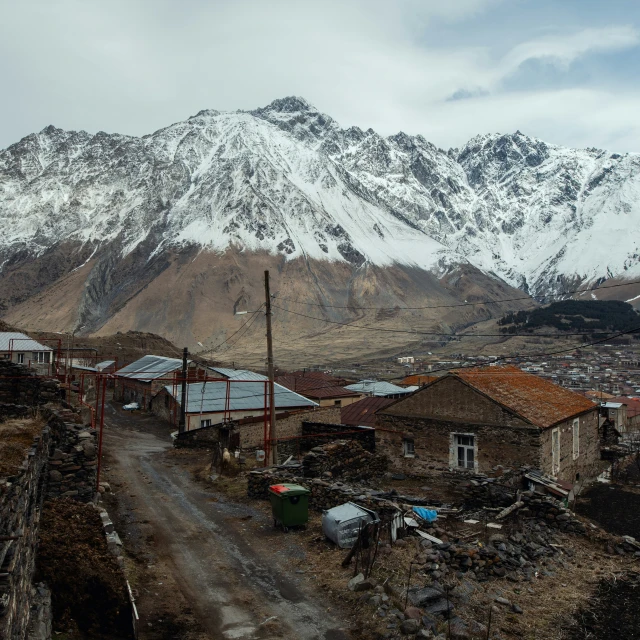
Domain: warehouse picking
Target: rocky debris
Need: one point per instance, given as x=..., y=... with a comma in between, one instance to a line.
x=345, y=459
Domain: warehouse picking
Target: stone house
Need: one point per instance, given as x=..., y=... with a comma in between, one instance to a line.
x=477, y=418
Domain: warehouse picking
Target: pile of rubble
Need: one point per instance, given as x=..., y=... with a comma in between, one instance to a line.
x=343, y=459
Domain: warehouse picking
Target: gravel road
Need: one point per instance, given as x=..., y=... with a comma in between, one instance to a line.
x=200, y=571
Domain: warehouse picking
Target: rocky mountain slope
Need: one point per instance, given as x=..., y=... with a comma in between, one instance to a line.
x=112, y=232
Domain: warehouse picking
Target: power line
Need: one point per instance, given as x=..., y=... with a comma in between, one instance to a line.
x=432, y=333
x=451, y=306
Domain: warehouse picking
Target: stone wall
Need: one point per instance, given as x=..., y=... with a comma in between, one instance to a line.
x=21, y=385
x=21, y=499
x=588, y=463
x=513, y=446
x=251, y=430
x=61, y=461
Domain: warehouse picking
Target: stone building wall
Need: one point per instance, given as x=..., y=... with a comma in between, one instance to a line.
x=496, y=445
x=588, y=463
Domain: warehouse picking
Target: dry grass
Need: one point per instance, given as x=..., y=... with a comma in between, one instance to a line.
x=16, y=438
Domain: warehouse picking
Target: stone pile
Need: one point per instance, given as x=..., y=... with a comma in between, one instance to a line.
x=343, y=459
x=551, y=513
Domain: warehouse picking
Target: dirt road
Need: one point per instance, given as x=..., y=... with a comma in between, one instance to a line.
x=202, y=566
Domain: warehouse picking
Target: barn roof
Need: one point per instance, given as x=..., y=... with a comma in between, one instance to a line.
x=539, y=401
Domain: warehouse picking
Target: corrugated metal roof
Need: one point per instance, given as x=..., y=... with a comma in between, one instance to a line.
x=238, y=374
x=210, y=397
x=101, y=366
x=377, y=388
x=329, y=392
x=612, y=405
x=150, y=368
x=537, y=400
x=362, y=413
x=21, y=342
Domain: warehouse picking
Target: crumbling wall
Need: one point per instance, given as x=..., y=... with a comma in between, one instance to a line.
x=366, y=436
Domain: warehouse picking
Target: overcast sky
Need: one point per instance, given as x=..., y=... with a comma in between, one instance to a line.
x=566, y=71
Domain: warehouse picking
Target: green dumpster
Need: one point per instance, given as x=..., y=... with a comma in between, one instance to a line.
x=289, y=505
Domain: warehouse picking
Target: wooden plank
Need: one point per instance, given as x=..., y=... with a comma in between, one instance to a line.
x=426, y=536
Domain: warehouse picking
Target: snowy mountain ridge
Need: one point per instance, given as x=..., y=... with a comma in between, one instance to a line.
x=288, y=179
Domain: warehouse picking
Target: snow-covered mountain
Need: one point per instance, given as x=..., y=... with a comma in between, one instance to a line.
x=286, y=180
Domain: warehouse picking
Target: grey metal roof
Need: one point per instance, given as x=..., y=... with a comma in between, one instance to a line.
x=243, y=396
x=150, y=368
x=21, y=342
x=612, y=405
x=105, y=364
x=377, y=388
x=238, y=374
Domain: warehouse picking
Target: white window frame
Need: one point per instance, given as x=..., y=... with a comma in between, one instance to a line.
x=408, y=448
x=555, y=452
x=205, y=423
x=576, y=438
x=21, y=358
x=41, y=357
x=467, y=447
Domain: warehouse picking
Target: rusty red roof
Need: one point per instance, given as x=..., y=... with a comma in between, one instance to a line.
x=362, y=413
x=418, y=379
x=537, y=400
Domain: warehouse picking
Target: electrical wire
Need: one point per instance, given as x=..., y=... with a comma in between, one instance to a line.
x=451, y=306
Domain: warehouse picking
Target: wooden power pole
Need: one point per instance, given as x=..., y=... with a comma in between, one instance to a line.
x=272, y=401
x=183, y=403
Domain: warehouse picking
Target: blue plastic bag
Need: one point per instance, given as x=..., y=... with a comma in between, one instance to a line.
x=426, y=514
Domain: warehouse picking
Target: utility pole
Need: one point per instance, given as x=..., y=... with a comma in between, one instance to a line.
x=183, y=402
x=272, y=401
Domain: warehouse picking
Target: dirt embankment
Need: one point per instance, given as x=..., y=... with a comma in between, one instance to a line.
x=16, y=437
x=89, y=594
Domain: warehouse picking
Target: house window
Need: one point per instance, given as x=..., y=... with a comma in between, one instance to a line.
x=408, y=448
x=41, y=357
x=576, y=439
x=21, y=358
x=555, y=452
x=337, y=403
x=465, y=451
x=205, y=423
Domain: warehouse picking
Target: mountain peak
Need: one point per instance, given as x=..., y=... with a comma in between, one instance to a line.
x=289, y=104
